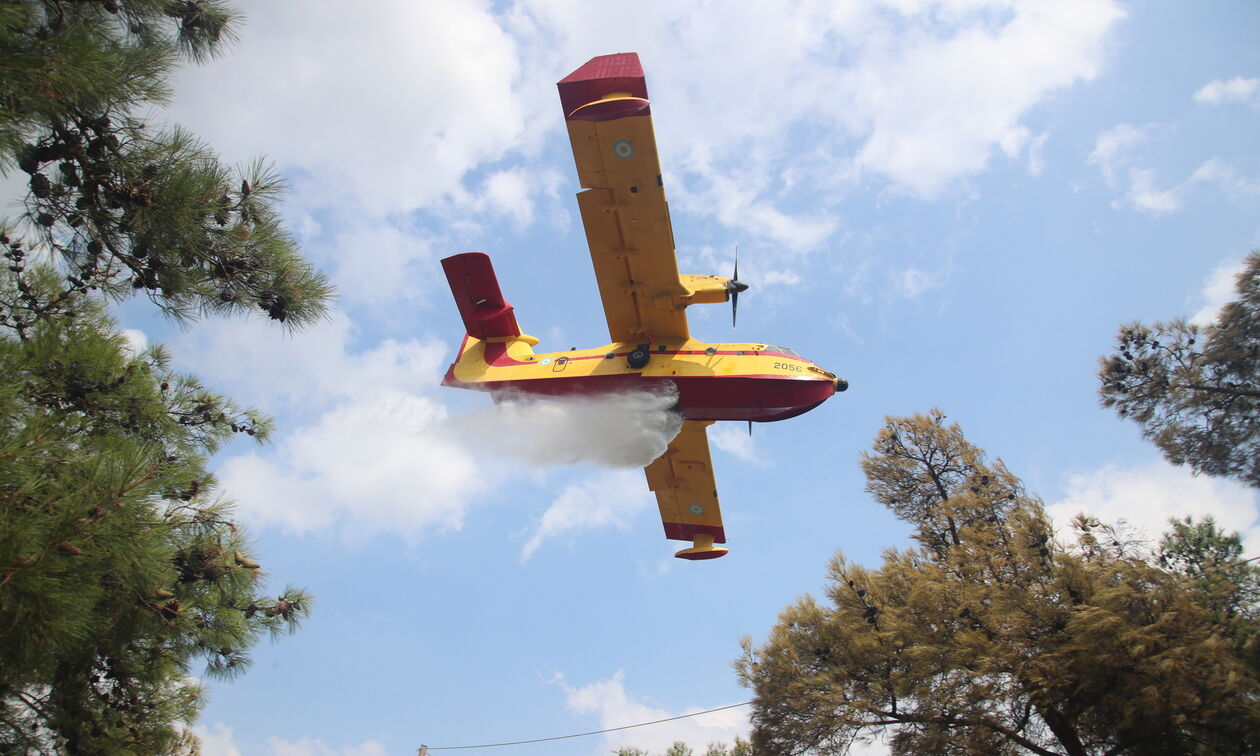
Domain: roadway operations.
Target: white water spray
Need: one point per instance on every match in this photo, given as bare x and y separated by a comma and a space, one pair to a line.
627, 429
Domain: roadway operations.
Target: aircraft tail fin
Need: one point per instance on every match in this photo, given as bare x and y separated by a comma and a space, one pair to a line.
486, 315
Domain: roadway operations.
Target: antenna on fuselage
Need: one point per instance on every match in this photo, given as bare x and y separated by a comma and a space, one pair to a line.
735, 286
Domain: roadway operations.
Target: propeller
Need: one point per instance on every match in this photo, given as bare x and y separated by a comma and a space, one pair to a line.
735, 286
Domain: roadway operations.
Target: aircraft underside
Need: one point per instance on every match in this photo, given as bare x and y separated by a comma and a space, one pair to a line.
760, 399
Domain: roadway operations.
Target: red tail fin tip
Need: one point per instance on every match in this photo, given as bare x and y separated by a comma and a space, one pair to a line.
486, 315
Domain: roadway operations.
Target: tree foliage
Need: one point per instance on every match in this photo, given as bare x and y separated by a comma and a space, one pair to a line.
1228, 584
1195, 391
121, 571
122, 206
993, 637
741, 747
119, 564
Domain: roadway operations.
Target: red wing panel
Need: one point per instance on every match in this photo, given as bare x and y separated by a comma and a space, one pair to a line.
600, 75
481, 305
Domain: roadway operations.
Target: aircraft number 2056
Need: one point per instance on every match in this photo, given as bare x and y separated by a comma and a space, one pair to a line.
788, 366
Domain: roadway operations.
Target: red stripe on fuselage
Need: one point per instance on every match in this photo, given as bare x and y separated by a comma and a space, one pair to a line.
503, 360
764, 398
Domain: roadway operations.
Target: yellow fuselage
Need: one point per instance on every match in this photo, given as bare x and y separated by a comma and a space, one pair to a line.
714, 381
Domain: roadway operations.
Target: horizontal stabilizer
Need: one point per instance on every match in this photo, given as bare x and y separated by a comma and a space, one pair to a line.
478, 297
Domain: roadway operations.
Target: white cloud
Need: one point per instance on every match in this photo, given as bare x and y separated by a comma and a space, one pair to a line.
936, 103
376, 263
1115, 148
366, 450
1220, 288
1117, 153
389, 122
612, 498
217, 740
313, 747
1217, 171
1143, 194
778, 277
376, 464
913, 281
137, 341
734, 439
511, 192
1223, 91
608, 700
402, 111
256, 363
14, 186
840, 321
1036, 160
1147, 497
738, 202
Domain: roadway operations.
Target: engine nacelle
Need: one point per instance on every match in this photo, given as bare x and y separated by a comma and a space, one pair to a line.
704, 290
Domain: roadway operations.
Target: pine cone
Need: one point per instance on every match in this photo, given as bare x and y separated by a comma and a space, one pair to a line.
41, 187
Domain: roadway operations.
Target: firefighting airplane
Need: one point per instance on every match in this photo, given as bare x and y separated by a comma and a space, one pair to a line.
632, 247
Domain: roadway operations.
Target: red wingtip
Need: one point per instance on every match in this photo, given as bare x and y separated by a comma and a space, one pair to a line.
607, 67
600, 76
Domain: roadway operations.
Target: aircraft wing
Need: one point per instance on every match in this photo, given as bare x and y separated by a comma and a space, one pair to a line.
682, 479
623, 208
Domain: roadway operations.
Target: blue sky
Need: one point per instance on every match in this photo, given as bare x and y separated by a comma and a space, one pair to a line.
953, 204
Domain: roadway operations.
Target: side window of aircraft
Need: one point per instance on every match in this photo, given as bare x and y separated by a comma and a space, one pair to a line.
782, 350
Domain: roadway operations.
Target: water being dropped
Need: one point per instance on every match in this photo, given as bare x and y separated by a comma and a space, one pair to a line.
627, 429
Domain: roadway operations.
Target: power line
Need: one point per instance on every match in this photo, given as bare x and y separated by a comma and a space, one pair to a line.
424, 748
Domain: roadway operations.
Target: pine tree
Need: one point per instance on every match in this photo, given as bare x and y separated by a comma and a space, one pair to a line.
1195, 391
1228, 583
993, 637
121, 570
680, 748
120, 565
120, 206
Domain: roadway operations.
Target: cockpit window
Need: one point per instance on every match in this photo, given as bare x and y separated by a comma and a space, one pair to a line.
782, 350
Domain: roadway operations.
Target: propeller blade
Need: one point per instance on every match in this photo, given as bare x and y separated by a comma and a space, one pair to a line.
735, 286
750, 428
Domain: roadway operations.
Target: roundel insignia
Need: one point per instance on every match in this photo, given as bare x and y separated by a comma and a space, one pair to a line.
696, 509
622, 149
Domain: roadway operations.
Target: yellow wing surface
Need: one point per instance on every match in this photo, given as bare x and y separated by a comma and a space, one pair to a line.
631, 240
623, 208
682, 479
